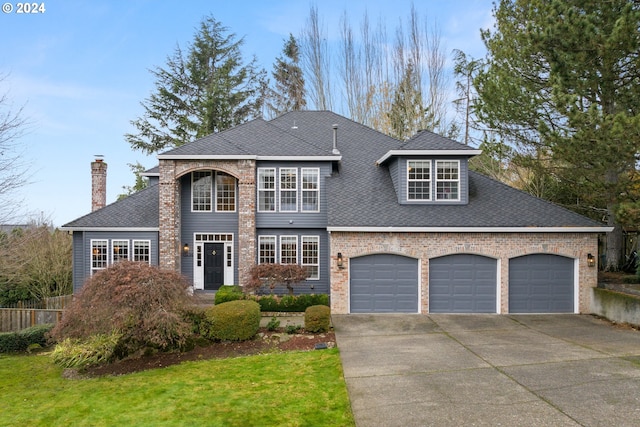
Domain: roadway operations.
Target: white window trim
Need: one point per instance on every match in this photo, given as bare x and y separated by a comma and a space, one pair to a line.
117, 243
282, 191
133, 248
198, 246
430, 181
215, 192
211, 195
302, 189
274, 190
446, 180
275, 246
317, 264
103, 242
289, 237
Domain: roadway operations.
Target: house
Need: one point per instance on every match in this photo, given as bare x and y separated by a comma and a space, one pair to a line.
382, 225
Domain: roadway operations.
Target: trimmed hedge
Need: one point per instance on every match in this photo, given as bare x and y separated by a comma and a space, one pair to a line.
228, 293
13, 342
291, 303
317, 318
233, 321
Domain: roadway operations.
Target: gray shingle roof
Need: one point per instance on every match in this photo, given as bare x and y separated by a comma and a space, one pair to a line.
139, 210
361, 194
256, 137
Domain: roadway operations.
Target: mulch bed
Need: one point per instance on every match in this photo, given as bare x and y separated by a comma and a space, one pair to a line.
264, 342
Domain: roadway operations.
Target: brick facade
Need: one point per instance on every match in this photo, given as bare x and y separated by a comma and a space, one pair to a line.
424, 246
98, 184
170, 173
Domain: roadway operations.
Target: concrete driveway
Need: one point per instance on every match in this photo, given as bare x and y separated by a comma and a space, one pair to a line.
477, 370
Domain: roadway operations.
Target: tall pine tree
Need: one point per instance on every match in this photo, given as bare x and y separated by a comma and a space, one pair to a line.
205, 90
563, 79
288, 92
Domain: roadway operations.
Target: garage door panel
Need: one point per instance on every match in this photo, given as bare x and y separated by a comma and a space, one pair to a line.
541, 283
383, 283
462, 283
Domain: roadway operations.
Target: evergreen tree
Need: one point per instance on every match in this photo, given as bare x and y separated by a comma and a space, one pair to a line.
205, 90
288, 93
407, 115
562, 78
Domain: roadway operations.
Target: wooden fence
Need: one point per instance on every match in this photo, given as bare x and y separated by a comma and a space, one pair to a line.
27, 314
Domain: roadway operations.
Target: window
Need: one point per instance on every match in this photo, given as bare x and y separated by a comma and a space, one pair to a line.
201, 191
267, 249
99, 252
225, 192
310, 190
289, 250
266, 190
310, 255
419, 180
120, 250
288, 189
141, 251
447, 180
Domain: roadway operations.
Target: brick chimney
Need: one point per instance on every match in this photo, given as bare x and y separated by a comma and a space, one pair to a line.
98, 183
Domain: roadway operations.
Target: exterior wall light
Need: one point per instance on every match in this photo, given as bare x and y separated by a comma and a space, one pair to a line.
185, 250
340, 261
591, 260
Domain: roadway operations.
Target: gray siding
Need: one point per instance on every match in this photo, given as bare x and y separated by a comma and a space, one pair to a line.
204, 222
398, 170
82, 250
320, 286
293, 220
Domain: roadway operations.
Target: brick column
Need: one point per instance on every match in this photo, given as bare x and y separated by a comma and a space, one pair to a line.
246, 218
98, 184
169, 235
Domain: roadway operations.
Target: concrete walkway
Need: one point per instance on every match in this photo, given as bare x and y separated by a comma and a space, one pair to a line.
489, 370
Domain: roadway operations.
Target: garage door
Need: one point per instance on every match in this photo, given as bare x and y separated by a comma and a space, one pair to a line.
462, 283
541, 283
383, 283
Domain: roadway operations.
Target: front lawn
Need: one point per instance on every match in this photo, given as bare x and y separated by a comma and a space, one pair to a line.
277, 389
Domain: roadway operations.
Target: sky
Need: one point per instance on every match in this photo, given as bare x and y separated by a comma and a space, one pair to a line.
80, 70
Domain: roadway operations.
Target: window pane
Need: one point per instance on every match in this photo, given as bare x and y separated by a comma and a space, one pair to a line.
288, 249
201, 191
99, 254
267, 250
225, 192
120, 250
141, 251
266, 190
447, 180
288, 189
419, 180
310, 189
310, 255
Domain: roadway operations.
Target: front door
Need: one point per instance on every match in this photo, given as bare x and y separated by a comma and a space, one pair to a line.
213, 266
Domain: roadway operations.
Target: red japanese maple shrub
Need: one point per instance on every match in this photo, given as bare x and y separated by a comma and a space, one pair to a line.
269, 276
147, 306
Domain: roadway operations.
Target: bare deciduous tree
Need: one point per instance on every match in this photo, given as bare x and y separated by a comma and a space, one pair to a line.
316, 61
13, 169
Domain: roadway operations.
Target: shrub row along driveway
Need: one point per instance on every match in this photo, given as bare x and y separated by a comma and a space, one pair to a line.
528, 370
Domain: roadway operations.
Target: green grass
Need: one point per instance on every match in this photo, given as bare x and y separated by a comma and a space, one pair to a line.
277, 389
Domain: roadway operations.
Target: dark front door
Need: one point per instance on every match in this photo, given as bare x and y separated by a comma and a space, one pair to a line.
213, 266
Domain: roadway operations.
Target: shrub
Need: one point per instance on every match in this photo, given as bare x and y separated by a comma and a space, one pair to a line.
233, 320
13, 342
144, 304
81, 354
290, 303
228, 293
631, 279
271, 275
292, 329
273, 324
317, 318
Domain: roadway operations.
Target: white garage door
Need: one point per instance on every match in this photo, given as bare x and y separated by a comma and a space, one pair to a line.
383, 283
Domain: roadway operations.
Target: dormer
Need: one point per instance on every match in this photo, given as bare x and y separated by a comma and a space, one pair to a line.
430, 169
